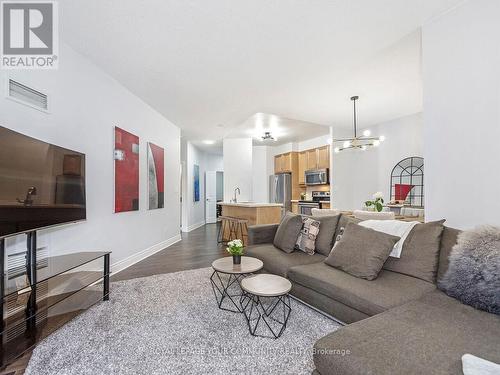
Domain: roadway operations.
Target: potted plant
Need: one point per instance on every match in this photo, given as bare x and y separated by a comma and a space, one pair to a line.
235, 248
377, 202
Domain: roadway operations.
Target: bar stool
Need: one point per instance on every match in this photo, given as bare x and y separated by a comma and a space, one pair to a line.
232, 228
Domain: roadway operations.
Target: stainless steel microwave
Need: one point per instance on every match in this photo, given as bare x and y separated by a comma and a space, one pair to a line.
317, 177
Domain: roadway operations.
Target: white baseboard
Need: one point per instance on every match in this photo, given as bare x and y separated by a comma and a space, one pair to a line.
194, 226
127, 262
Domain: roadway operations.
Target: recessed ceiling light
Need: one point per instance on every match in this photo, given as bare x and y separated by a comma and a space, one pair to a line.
208, 142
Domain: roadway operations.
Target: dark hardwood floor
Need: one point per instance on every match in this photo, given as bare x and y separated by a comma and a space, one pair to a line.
197, 249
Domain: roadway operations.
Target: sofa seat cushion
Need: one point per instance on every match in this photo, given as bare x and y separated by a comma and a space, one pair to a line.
372, 297
278, 262
426, 336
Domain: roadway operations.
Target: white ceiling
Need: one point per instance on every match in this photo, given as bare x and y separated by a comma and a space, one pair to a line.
210, 65
282, 129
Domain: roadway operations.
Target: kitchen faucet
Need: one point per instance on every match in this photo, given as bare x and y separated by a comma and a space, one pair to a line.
239, 192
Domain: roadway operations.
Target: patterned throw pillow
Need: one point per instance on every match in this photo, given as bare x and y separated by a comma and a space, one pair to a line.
307, 236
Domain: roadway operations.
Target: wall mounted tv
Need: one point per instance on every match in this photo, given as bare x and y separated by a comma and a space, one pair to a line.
41, 184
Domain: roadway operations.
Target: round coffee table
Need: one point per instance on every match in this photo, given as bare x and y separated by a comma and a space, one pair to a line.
265, 299
226, 278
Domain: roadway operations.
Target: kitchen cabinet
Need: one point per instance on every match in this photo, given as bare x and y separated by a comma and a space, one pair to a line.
302, 167
323, 157
295, 207
316, 158
283, 163
312, 159
286, 162
277, 164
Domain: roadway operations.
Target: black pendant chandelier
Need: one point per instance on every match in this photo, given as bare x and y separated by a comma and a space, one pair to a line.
360, 142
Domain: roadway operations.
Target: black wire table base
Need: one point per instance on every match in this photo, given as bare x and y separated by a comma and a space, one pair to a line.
274, 314
226, 289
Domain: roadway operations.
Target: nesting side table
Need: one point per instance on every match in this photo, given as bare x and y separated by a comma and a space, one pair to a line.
265, 299
226, 279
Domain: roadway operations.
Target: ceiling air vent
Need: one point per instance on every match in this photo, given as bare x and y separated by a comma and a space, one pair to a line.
27, 95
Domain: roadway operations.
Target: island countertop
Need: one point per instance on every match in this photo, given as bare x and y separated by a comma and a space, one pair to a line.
253, 212
249, 204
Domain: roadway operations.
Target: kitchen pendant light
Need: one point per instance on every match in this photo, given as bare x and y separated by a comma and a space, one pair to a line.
361, 142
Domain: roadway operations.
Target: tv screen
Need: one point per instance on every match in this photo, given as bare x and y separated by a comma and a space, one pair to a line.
41, 184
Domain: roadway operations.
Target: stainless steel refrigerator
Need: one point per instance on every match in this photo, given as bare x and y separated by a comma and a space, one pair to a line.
280, 190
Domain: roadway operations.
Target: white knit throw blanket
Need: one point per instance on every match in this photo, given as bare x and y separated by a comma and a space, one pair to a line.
396, 228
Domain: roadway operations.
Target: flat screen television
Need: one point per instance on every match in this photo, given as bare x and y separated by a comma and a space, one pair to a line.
41, 184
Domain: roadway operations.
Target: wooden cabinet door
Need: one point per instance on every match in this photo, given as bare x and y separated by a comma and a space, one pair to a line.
302, 167
324, 157
312, 159
278, 164
286, 162
295, 207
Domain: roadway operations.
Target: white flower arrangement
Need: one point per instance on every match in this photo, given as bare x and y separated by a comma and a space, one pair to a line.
376, 202
235, 247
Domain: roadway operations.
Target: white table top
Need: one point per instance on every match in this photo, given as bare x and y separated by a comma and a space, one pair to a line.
266, 285
248, 265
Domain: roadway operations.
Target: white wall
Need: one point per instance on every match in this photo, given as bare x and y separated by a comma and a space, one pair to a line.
238, 168
194, 212
260, 176
358, 174
85, 105
461, 73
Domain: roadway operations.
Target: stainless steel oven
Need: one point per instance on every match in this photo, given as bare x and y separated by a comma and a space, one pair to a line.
306, 207
317, 177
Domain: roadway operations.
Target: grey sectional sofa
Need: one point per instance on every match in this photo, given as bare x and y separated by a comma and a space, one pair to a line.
396, 323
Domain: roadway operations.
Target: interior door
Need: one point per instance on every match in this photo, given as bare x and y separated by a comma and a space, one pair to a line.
211, 197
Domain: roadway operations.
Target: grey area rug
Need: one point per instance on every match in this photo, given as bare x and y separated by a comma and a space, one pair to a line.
170, 324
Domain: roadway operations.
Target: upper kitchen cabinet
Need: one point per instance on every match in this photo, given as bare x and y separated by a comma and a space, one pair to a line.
323, 157
312, 159
316, 158
283, 163
302, 167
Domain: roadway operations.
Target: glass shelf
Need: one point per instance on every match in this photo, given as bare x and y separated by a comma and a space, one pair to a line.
56, 317
67, 283
53, 266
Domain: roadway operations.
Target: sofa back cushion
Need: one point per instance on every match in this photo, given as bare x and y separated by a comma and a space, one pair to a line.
287, 233
448, 240
361, 251
326, 236
420, 254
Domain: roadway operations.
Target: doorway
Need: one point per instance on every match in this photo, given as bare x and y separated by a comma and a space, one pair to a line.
214, 192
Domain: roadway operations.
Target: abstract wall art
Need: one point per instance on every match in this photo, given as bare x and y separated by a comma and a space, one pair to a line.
126, 157
196, 181
156, 184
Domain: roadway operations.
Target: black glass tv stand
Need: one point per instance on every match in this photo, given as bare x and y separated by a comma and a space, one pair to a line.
45, 294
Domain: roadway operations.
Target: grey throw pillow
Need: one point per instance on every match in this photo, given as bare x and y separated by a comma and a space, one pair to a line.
473, 274
288, 231
361, 251
420, 253
342, 224
306, 241
326, 236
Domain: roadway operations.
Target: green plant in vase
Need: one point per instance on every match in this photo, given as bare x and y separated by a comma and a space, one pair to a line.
235, 248
377, 202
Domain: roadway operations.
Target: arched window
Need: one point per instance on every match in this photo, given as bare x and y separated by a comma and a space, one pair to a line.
409, 174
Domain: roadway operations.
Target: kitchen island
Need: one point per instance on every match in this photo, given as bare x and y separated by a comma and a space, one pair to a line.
254, 213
